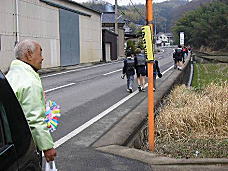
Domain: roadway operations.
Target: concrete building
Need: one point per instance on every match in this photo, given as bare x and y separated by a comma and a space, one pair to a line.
164, 39
69, 33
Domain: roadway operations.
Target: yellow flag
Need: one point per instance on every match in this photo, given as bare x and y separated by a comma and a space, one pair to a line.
147, 41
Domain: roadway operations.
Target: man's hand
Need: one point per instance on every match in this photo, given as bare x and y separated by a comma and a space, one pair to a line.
50, 154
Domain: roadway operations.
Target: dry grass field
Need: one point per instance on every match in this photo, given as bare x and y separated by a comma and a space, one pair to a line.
193, 123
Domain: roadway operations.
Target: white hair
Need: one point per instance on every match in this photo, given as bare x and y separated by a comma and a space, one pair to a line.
23, 47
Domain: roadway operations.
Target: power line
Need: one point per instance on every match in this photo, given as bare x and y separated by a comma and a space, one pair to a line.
126, 16
137, 11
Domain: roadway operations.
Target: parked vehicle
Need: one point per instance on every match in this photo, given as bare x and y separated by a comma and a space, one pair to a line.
17, 148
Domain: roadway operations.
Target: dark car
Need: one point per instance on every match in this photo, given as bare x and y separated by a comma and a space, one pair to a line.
17, 148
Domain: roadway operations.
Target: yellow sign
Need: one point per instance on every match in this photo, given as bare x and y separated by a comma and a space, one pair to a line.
147, 41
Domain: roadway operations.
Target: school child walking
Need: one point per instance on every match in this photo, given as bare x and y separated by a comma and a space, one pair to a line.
129, 71
140, 66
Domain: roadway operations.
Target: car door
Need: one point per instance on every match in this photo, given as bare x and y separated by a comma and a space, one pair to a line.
19, 151
8, 157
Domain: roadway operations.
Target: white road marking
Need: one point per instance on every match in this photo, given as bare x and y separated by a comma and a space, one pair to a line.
56, 88
98, 117
70, 84
112, 72
93, 120
78, 69
67, 85
167, 70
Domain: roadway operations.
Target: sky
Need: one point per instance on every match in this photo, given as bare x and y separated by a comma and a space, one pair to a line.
123, 2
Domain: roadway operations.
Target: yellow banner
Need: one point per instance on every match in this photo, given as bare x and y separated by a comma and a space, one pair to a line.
147, 41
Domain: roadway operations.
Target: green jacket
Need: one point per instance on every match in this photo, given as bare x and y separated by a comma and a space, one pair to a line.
27, 86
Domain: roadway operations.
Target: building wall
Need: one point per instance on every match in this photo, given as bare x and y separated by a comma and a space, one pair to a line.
90, 39
7, 33
90, 34
40, 22
37, 21
109, 37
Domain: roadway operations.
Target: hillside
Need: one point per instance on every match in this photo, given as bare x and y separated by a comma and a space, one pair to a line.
166, 13
136, 14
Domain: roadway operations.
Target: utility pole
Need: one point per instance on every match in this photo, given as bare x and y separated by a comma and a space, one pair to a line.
116, 18
151, 139
116, 27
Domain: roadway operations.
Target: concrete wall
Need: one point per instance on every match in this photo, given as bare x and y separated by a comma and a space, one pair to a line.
37, 21
90, 39
7, 33
40, 22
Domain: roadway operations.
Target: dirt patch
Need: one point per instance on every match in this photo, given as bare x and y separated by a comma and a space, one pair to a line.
194, 148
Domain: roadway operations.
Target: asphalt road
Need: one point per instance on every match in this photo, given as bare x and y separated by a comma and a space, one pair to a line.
86, 96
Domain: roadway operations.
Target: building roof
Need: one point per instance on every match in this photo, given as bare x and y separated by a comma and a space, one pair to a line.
109, 17
166, 34
111, 32
56, 4
74, 2
159, 34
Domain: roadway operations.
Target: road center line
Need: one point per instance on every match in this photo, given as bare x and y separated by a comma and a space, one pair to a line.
98, 117
56, 88
112, 72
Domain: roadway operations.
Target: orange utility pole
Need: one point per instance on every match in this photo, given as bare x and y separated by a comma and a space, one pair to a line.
151, 139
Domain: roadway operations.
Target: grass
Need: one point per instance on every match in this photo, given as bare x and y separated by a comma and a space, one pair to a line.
205, 74
193, 123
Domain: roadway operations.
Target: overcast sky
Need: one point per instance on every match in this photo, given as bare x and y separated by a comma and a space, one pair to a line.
123, 2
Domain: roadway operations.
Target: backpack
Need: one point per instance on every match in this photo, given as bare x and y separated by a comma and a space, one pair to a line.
178, 52
130, 64
141, 60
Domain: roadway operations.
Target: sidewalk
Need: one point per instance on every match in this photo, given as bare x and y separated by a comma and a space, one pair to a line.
67, 68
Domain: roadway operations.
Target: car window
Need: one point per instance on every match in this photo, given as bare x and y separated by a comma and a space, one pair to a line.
5, 130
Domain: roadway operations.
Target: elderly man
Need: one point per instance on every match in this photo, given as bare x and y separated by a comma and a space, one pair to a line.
26, 84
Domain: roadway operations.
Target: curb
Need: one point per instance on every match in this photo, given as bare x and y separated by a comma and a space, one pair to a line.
64, 68
155, 159
72, 67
